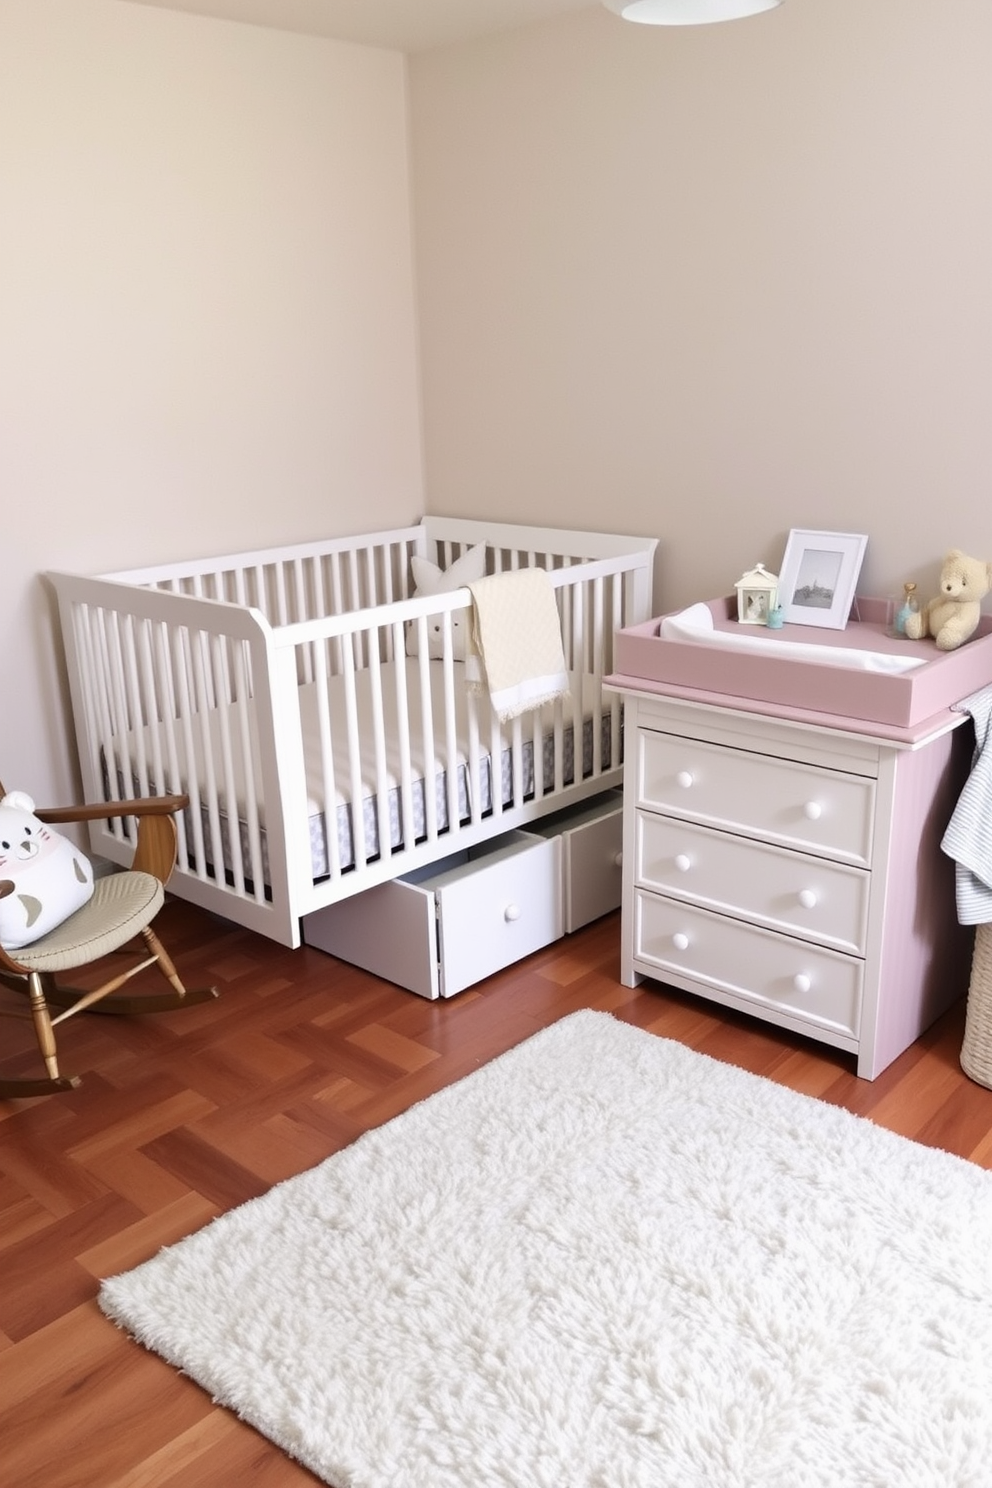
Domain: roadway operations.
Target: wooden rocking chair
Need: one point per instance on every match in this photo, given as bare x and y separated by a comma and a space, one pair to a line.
121, 908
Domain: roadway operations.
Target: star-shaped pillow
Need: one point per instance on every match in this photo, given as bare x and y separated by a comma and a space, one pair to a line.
429, 579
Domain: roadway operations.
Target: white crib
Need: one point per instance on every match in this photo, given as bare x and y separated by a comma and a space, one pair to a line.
320, 759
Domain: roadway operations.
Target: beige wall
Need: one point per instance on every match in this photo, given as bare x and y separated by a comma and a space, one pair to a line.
207, 335
704, 284
713, 283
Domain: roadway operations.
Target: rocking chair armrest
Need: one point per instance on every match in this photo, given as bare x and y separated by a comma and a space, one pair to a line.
157, 840
155, 852
100, 811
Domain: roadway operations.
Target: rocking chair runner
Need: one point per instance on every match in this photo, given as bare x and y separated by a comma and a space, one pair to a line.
121, 908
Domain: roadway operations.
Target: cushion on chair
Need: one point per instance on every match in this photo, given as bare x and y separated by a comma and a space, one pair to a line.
51, 877
430, 579
121, 906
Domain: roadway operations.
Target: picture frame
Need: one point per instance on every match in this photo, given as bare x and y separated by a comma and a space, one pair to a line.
819, 575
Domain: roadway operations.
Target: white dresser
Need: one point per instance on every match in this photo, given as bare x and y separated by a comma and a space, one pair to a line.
792, 871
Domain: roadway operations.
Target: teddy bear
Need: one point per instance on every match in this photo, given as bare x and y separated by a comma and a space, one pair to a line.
953, 615
50, 878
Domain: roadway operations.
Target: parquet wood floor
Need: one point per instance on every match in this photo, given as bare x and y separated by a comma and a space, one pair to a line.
182, 1115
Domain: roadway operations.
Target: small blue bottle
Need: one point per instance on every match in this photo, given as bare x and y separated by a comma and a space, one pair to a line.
910, 606
776, 619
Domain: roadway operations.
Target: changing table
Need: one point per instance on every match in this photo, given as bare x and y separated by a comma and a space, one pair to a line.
784, 859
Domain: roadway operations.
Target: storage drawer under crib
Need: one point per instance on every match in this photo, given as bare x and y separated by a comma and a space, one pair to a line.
445, 927
592, 844
440, 929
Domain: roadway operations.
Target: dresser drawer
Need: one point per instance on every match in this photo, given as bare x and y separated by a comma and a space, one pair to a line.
779, 800
792, 892
443, 928
772, 973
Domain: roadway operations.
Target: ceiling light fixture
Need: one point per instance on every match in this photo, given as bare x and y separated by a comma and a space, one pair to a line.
687, 12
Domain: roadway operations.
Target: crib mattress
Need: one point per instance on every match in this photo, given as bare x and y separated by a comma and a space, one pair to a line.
222, 725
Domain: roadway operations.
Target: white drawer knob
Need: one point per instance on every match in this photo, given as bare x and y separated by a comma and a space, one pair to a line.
807, 898
680, 941
618, 860
802, 982
684, 778
813, 810
511, 912
683, 862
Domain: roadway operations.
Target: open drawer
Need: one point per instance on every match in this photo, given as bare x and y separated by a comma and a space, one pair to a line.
440, 929
591, 837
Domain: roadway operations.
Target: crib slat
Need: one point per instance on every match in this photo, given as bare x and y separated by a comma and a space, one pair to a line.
173, 779
180, 658
227, 800
118, 714
353, 601
149, 704
382, 781
201, 694
537, 753
301, 612
496, 753
427, 735
406, 785
252, 817
319, 599
450, 730
474, 761
370, 594
596, 667
337, 608
356, 794
326, 744
97, 663
132, 704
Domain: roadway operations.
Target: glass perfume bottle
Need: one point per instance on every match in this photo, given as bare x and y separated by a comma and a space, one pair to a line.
910, 606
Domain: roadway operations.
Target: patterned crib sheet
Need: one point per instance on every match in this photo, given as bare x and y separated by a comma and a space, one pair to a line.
342, 812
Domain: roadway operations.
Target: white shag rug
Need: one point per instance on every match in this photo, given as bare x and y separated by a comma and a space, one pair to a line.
601, 1261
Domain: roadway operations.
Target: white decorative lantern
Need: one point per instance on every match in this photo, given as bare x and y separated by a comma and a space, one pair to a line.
757, 594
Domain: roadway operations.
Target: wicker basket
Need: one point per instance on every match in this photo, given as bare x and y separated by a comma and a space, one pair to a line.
976, 1050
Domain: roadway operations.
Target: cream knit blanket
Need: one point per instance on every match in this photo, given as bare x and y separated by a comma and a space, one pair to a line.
514, 651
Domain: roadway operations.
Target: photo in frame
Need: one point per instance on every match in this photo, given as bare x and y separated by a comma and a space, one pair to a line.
819, 576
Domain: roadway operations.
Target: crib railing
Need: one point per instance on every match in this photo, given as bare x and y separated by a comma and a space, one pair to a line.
306, 581
319, 759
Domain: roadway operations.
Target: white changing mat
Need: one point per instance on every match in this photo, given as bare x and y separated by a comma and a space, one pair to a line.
696, 625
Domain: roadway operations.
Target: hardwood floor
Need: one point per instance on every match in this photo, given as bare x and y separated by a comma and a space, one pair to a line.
182, 1115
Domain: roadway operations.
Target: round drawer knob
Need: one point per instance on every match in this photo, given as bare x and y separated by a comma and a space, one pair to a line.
802, 982
807, 898
812, 810
680, 941
684, 778
618, 860
511, 912
683, 862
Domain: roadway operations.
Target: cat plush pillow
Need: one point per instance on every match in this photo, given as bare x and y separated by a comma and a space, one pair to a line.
51, 877
429, 579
